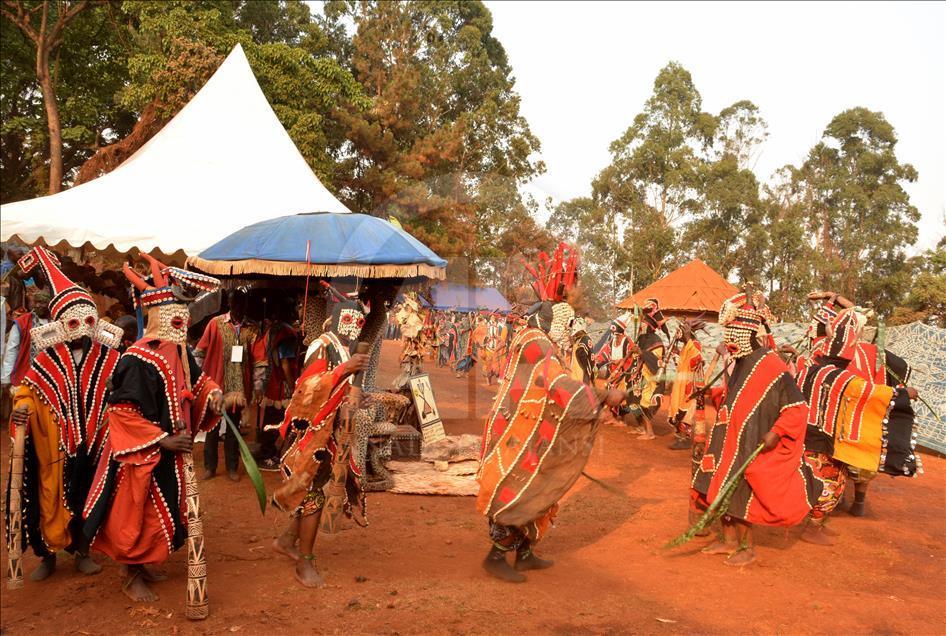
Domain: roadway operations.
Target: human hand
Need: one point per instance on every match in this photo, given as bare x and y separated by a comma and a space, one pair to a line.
21, 415
356, 363
180, 443
913, 393
770, 441
216, 401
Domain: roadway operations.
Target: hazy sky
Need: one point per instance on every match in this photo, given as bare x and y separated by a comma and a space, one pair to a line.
585, 69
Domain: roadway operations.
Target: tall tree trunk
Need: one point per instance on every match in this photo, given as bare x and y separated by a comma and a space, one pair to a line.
52, 119
47, 39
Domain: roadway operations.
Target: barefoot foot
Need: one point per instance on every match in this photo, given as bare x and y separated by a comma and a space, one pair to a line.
815, 534
720, 547
742, 557
527, 560
829, 531
86, 565
45, 569
135, 587
307, 574
500, 569
286, 546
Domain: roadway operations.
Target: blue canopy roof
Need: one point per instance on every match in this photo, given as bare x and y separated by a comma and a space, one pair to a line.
339, 245
463, 298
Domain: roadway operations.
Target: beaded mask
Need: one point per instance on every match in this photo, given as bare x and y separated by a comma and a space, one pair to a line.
745, 318
348, 313
562, 316
71, 306
166, 298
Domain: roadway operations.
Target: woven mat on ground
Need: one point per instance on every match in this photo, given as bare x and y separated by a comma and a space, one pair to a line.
421, 478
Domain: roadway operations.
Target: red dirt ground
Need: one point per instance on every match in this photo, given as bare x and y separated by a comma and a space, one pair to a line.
416, 568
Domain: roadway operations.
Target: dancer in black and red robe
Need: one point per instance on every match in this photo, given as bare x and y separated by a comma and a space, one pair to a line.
763, 405
136, 510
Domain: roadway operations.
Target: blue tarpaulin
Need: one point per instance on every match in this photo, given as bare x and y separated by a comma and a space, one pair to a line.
339, 244
463, 298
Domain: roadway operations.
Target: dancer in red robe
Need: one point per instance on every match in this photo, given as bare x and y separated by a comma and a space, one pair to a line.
763, 405
160, 399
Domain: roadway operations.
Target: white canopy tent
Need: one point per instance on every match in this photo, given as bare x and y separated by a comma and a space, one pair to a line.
222, 163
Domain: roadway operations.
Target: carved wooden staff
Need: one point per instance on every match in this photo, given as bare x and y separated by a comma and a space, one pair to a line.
197, 607
15, 531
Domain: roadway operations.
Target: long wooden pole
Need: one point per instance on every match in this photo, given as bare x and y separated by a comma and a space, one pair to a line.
15, 531
197, 607
197, 604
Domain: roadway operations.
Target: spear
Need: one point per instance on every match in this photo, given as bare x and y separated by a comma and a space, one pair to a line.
720, 505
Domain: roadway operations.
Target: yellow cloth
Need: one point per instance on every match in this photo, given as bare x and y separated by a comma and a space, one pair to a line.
44, 432
682, 382
650, 381
869, 404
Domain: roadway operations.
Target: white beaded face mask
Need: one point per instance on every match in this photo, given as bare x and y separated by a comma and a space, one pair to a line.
350, 323
168, 322
78, 321
738, 340
562, 316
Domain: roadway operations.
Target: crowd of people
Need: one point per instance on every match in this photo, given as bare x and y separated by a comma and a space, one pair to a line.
104, 413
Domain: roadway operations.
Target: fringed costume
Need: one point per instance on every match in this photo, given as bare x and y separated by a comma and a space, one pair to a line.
857, 416
761, 399
540, 430
136, 512
322, 478
63, 393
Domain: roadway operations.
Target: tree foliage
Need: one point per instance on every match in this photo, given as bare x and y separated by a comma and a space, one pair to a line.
681, 185
444, 127
410, 110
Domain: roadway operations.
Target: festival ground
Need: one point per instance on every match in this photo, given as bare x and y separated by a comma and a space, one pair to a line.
416, 569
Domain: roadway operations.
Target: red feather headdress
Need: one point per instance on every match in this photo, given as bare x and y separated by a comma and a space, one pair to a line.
557, 276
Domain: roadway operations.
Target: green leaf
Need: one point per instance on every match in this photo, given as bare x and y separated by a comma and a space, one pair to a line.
252, 470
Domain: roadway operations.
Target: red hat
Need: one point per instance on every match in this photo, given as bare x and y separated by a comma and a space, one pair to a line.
65, 293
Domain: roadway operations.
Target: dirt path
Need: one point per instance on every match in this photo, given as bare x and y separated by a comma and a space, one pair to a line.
420, 561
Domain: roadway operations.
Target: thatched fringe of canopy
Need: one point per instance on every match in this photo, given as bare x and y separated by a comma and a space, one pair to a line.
284, 268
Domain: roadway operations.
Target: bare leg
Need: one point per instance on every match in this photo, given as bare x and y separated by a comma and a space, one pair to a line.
746, 553
134, 586
306, 572
285, 543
